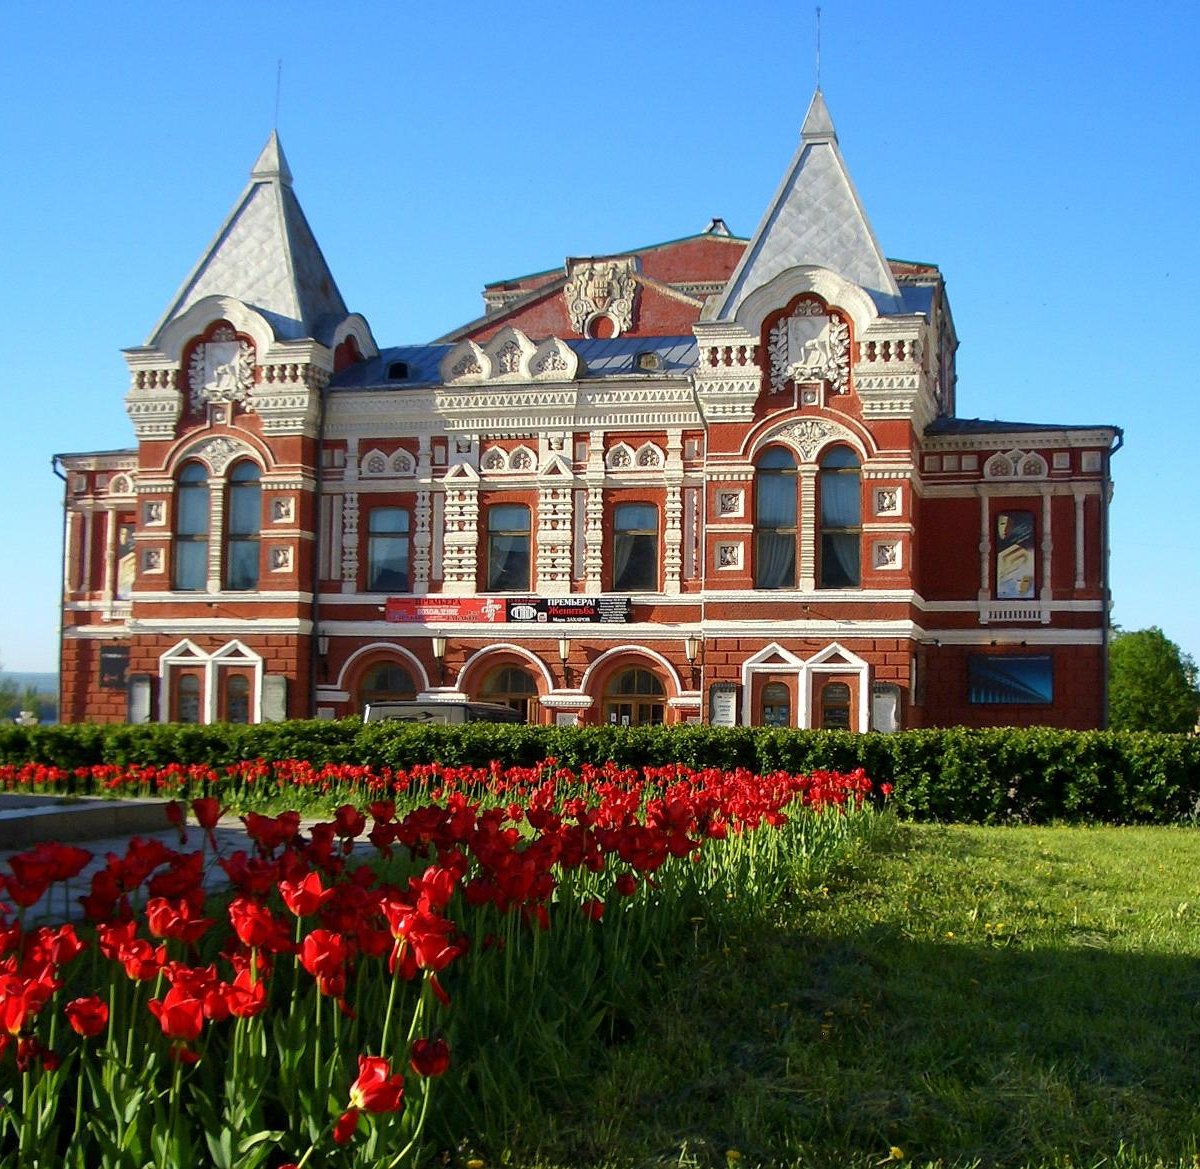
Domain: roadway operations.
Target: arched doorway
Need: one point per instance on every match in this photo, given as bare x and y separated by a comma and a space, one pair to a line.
635, 698
386, 681
512, 686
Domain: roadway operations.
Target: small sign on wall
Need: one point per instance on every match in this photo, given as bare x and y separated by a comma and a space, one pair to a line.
723, 704
114, 667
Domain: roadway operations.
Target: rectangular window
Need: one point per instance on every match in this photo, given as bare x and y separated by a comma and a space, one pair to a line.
508, 549
387, 550
1010, 679
635, 548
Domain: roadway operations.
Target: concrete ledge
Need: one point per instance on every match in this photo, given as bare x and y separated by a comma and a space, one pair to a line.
27, 820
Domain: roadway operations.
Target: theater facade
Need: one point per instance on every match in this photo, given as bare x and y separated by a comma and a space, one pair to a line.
710, 480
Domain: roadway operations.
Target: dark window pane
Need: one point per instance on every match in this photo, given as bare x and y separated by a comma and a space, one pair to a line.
509, 517
241, 565
635, 563
839, 560
840, 501
189, 699
632, 517
508, 563
237, 699
776, 501
245, 512
191, 509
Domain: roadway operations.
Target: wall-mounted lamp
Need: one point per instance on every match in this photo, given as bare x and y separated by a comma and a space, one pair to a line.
691, 649
439, 656
322, 645
564, 652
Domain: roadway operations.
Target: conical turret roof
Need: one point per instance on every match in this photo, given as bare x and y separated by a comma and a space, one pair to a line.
815, 218
266, 256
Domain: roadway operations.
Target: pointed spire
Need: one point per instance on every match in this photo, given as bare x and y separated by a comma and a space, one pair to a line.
265, 255
272, 164
818, 125
816, 219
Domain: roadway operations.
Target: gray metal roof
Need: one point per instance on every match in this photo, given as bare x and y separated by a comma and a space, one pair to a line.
966, 426
266, 256
614, 357
816, 217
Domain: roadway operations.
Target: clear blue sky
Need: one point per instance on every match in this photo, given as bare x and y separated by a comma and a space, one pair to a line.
1043, 154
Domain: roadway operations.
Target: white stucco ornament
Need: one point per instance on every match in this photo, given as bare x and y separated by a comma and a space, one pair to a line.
810, 346
221, 370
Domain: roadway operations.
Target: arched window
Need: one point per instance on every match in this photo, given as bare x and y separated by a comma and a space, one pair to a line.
386, 682
835, 706
191, 527
243, 524
387, 550
776, 705
237, 699
775, 521
511, 686
508, 548
187, 698
841, 518
635, 548
635, 698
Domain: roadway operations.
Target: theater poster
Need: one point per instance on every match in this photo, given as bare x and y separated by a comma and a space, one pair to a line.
1015, 556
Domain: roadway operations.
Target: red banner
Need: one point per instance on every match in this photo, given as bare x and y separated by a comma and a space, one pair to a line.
446, 610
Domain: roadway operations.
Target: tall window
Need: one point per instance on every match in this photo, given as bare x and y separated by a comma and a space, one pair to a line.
776, 705
508, 548
191, 527
242, 527
635, 548
237, 699
775, 521
635, 698
510, 686
841, 517
387, 550
187, 699
835, 706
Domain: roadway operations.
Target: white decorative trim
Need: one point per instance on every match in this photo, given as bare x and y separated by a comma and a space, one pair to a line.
888, 501
727, 557
221, 369
597, 288
887, 555
1015, 464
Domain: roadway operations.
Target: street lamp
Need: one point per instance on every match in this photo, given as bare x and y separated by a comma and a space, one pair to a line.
691, 648
439, 656
564, 652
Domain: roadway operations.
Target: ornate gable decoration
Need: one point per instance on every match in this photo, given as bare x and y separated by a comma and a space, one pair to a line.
221, 369
601, 288
811, 345
510, 356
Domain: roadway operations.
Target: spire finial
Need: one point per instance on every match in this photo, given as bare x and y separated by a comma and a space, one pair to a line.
818, 46
278, 87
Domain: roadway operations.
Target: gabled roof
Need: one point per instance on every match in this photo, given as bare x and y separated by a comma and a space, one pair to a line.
266, 256
815, 218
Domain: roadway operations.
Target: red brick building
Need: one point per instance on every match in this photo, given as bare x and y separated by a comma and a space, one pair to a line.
714, 479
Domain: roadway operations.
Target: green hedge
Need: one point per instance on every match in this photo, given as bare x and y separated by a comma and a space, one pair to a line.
982, 776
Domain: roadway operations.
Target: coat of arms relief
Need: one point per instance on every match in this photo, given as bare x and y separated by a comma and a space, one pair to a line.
601, 286
221, 370
812, 345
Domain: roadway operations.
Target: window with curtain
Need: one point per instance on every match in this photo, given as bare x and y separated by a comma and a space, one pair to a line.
510, 686
508, 548
242, 527
191, 528
775, 520
635, 698
841, 519
635, 548
387, 550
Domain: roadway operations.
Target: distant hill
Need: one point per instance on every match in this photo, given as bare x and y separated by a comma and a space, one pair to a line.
45, 683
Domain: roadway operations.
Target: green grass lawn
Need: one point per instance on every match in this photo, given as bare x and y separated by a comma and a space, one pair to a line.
953, 995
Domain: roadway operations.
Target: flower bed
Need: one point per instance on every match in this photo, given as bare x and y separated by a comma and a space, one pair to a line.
303, 1014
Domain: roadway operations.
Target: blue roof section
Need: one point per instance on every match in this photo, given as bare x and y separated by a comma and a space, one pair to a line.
601, 358
996, 426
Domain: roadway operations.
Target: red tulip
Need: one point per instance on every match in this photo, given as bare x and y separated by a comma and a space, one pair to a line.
87, 1016
376, 1089
343, 1130
207, 811
306, 896
430, 1057
180, 1015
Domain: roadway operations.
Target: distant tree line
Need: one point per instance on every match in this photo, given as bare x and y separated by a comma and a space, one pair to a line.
1151, 683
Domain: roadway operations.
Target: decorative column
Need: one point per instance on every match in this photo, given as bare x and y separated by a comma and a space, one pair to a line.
216, 530
593, 556
350, 542
1047, 549
1080, 579
461, 540
807, 478
985, 551
673, 528
421, 541
554, 531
